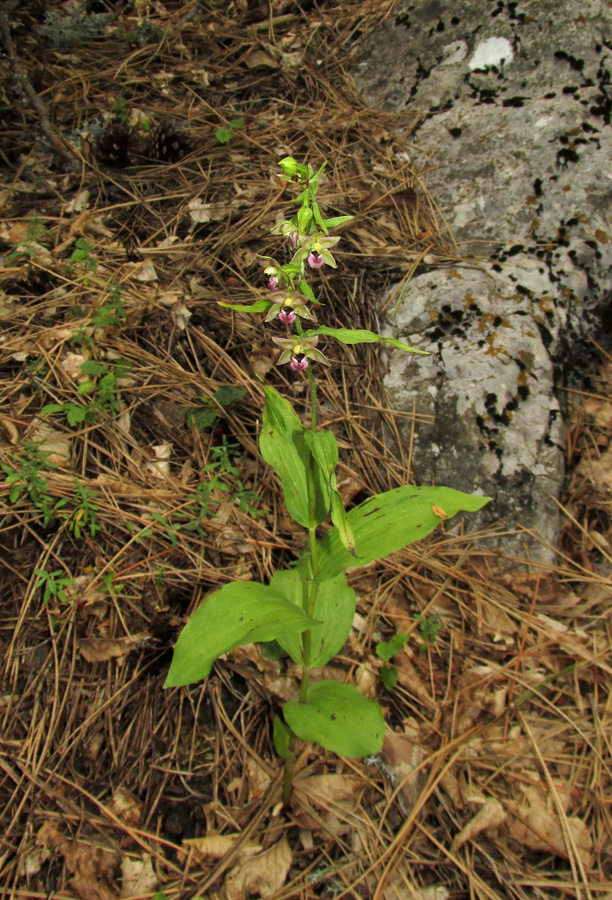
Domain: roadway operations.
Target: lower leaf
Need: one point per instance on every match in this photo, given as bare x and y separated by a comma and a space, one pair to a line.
339, 718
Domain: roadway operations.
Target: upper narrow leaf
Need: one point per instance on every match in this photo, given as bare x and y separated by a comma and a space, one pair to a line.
361, 336
242, 612
283, 446
257, 307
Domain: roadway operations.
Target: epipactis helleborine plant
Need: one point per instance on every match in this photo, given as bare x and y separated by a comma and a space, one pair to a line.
309, 608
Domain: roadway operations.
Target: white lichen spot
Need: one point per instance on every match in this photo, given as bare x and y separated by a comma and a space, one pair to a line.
491, 52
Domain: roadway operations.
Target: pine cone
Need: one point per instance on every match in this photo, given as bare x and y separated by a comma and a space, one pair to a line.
117, 146
168, 143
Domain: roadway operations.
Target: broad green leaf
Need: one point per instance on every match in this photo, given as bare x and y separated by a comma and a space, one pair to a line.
228, 394
324, 448
339, 718
239, 613
236, 123
361, 336
280, 736
387, 522
257, 307
86, 387
334, 609
283, 446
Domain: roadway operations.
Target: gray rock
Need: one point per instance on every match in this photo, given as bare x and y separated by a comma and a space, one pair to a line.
516, 146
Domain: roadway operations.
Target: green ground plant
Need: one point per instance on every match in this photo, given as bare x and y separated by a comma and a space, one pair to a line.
386, 650
429, 628
309, 608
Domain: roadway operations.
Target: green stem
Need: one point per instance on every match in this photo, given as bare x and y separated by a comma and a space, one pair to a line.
310, 602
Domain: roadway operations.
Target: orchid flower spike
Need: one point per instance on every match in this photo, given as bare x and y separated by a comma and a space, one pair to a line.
298, 350
287, 305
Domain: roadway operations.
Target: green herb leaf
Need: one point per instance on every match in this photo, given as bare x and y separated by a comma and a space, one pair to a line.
239, 613
236, 123
75, 415
387, 522
228, 394
387, 649
339, 718
92, 367
361, 336
389, 677
334, 608
224, 135
203, 417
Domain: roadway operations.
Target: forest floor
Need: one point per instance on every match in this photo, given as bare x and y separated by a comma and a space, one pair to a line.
138, 187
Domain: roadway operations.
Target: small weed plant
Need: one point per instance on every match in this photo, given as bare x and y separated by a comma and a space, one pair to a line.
308, 609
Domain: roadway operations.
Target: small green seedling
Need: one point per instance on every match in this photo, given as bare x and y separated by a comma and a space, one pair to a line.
81, 255
113, 311
53, 584
36, 235
102, 384
23, 475
83, 515
386, 650
225, 134
429, 628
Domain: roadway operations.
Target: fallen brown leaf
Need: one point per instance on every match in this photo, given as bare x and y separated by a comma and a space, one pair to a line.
103, 649
216, 846
263, 875
491, 815
138, 877
327, 803
535, 823
125, 807
90, 865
